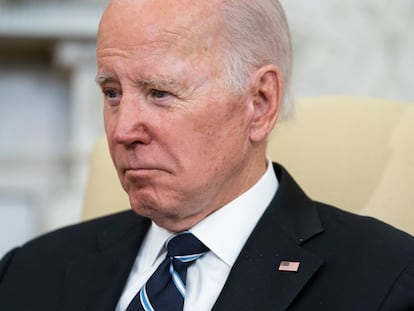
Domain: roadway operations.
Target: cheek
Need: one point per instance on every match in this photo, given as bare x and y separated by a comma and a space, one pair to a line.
224, 127
219, 137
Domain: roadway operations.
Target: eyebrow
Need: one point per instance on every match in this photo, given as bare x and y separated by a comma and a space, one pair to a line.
105, 78
166, 83
159, 82
151, 82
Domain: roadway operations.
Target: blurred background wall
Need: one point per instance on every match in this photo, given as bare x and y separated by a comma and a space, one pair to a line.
50, 107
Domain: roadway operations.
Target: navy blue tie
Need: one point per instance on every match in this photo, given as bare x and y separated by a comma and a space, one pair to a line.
165, 289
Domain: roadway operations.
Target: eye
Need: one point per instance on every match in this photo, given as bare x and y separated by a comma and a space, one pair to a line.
111, 93
112, 96
159, 94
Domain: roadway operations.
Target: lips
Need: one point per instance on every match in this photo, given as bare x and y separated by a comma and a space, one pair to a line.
133, 168
142, 171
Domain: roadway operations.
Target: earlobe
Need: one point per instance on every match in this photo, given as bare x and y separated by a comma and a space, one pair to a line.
266, 100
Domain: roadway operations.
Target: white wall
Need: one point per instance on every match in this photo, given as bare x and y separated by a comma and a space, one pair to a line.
353, 47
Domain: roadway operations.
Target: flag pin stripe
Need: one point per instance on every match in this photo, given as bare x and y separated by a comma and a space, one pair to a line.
289, 266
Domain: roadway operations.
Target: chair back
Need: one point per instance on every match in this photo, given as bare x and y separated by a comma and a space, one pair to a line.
354, 153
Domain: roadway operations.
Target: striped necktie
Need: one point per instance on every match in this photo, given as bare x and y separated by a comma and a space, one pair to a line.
165, 289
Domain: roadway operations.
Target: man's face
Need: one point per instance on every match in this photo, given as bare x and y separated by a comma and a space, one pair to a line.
178, 139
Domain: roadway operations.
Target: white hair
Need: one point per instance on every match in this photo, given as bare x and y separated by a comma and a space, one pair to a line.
256, 33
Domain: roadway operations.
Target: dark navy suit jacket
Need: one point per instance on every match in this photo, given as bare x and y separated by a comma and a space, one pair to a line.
347, 262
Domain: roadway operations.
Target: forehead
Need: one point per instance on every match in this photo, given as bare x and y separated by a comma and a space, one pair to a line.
165, 23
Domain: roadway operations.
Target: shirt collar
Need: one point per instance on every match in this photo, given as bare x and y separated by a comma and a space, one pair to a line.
225, 231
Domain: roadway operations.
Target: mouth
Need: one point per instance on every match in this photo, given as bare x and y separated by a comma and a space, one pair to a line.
142, 171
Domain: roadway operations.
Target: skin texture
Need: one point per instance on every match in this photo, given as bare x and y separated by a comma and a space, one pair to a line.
183, 146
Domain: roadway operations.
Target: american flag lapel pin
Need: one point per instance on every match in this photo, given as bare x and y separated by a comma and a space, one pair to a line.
289, 266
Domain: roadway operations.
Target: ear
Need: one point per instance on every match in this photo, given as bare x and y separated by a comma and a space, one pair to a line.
266, 97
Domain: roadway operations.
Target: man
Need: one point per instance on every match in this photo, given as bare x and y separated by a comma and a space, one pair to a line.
192, 90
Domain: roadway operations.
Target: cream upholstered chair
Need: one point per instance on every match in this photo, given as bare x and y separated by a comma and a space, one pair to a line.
104, 194
355, 153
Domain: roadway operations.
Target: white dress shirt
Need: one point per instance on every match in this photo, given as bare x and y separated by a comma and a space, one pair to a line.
224, 232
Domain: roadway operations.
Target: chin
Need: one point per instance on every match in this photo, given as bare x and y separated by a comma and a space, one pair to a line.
167, 218
144, 206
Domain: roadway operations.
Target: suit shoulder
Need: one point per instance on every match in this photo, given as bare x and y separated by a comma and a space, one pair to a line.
82, 234
40, 266
52, 250
364, 231
5, 262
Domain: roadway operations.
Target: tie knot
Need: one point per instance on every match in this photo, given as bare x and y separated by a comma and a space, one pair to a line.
186, 246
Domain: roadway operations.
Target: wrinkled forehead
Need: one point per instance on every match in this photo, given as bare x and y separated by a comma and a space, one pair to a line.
130, 22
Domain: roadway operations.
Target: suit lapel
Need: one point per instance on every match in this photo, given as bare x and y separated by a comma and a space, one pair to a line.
255, 282
95, 280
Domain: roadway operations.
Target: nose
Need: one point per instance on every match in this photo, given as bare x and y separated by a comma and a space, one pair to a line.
129, 123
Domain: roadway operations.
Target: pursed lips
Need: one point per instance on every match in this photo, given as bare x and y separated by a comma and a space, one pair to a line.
141, 170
